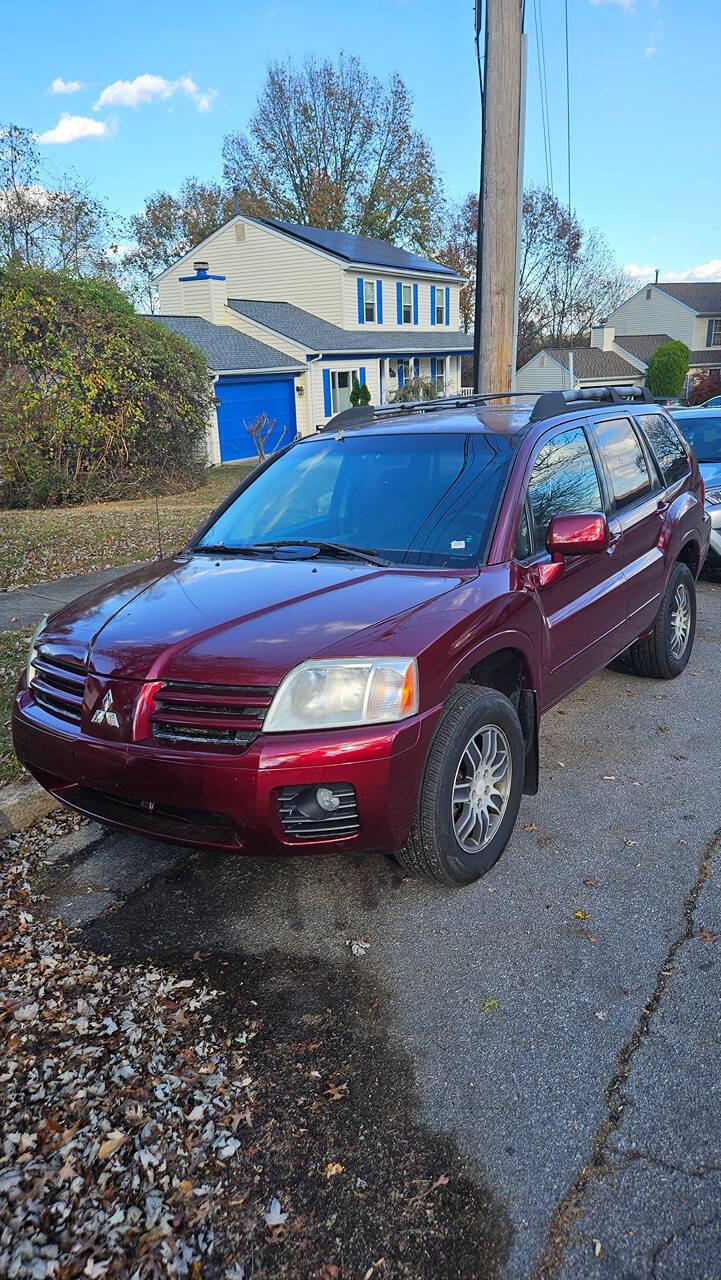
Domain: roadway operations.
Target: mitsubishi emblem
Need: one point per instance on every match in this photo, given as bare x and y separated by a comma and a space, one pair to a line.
105, 713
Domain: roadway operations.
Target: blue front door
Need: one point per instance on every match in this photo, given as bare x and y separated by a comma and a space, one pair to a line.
242, 400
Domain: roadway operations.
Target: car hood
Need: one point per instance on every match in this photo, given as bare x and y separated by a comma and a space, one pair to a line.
228, 620
711, 472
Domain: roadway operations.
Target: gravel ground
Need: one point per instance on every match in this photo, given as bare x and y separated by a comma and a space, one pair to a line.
547, 1040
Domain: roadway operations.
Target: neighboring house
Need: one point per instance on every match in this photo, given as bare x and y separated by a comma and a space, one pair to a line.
622, 346
308, 309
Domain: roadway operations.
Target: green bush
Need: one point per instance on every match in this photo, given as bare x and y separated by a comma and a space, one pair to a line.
668, 369
96, 401
414, 389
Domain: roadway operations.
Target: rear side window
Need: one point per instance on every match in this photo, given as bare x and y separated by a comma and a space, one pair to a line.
563, 481
625, 460
670, 453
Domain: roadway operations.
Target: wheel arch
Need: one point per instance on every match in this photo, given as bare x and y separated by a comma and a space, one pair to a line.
509, 670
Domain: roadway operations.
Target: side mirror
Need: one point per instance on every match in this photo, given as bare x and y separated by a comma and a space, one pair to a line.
577, 535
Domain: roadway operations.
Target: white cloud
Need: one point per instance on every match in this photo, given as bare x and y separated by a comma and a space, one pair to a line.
703, 272
628, 5
149, 88
66, 86
73, 128
650, 51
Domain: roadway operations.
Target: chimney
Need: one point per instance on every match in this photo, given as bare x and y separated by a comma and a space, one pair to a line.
656, 280
603, 335
204, 294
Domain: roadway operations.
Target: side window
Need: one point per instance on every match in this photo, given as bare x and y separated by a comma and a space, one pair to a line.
670, 453
523, 539
625, 460
563, 481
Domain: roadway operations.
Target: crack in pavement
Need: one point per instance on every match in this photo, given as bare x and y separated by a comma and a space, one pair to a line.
627, 1157
569, 1209
679, 1235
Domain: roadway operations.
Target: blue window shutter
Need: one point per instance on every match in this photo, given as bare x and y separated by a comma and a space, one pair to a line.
327, 404
448, 304
362, 376
361, 305
416, 367
399, 302
709, 334
379, 301
433, 367
400, 373
433, 304
415, 304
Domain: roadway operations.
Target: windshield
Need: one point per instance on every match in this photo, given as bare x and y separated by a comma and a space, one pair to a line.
425, 499
703, 434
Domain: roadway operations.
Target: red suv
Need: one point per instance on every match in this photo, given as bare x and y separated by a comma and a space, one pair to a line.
355, 650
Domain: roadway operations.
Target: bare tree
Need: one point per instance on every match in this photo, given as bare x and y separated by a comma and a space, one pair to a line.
49, 220
569, 277
259, 430
329, 145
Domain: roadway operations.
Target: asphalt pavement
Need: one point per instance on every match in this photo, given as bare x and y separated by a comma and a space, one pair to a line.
561, 1016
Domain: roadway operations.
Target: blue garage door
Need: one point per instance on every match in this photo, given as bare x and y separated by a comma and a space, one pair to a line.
242, 399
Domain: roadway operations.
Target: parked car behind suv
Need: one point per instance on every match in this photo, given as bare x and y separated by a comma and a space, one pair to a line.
702, 428
355, 650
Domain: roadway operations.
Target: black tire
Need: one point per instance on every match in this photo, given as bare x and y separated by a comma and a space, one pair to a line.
655, 656
432, 849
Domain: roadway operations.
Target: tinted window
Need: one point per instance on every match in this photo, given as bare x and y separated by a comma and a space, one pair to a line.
625, 461
703, 433
523, 539
428, 499
670, 453
563, 481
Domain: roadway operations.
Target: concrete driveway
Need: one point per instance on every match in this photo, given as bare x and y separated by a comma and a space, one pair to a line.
561, 1017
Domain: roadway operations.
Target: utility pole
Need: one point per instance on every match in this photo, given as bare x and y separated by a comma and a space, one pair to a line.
500, 198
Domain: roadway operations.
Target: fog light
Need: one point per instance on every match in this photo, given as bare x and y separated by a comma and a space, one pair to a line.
327, 799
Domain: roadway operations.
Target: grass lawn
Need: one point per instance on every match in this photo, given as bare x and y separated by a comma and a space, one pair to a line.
13, 652
37, 546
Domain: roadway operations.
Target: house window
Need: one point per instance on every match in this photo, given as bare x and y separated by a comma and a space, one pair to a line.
440, 305
407, 304
404, 372
341, 382
369, 299
716, 333
440, 374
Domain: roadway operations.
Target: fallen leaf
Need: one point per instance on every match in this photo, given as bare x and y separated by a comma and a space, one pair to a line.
591, 884
111, 1144
332, 1168
273, 1215
609, 777
706, 934
582, 915
530, 826
440, 1182
597, 1248
336, 1091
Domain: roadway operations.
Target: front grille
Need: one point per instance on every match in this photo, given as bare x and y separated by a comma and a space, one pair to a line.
303, 820
209, 715
58, 686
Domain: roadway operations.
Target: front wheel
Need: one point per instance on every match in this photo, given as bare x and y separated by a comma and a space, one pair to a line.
471, 789
665, 653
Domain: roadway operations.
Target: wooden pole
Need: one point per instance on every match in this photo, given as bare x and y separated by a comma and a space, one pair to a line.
499, 205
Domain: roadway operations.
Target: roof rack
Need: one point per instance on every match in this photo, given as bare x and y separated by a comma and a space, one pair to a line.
548, 405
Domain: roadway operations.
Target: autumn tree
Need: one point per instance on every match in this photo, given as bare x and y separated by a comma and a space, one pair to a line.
329, 145
167, 227
48, 220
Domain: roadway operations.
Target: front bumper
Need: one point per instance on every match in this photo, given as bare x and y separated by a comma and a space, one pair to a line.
229, 801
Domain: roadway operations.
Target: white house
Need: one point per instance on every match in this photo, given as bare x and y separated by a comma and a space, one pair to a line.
286, 315
622, 345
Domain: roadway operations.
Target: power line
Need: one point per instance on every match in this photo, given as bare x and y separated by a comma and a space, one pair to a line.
568, 160
543, 90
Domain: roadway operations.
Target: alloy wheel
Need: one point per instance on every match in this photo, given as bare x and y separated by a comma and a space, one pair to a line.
680, 620
481, 789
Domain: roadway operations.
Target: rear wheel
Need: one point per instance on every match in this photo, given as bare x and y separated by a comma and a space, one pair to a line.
471, 789
665, 653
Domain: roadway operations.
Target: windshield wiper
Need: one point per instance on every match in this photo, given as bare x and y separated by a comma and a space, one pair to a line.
219, 548
332, 549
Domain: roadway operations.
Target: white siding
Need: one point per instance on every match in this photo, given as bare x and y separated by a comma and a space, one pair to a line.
390, 309
264, 265
542, 373
658, 314
700, 333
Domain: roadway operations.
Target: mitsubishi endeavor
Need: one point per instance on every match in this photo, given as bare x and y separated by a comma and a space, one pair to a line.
354, 651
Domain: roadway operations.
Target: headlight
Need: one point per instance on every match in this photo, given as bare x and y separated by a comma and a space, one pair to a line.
32, 651
334, 694
713, 497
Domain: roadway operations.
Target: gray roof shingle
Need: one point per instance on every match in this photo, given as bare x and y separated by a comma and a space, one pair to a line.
591, 362
708, 356
702, 296
329, 339
642, 345
363, 249
226, 349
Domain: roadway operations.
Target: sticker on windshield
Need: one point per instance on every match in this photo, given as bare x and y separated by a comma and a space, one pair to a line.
458, 544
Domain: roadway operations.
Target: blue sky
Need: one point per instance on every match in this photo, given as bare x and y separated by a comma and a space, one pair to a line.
646, 162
